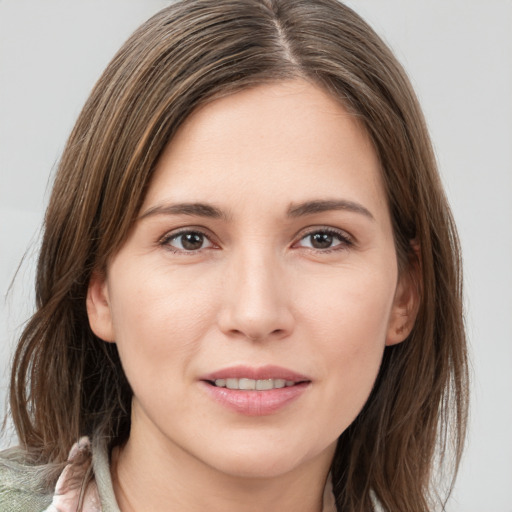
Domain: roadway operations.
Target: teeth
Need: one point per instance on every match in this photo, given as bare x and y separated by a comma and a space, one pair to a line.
232, 384
247, 384
251, 384
262, 385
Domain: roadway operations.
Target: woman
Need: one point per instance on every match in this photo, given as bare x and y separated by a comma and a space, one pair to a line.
248, 289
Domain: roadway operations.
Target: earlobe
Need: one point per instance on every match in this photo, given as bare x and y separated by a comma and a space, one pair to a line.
405, 305
98, 307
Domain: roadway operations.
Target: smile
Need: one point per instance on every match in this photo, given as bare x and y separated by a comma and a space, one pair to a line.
255, 391
253, 384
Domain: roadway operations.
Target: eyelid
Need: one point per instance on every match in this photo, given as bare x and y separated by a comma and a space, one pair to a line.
346, 239
174, 233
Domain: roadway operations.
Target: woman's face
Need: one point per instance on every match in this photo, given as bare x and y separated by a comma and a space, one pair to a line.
263, 258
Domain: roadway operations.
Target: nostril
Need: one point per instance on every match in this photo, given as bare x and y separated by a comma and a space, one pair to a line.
276, 333
239, 319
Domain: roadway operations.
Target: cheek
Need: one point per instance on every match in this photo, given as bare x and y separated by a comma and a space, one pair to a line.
351, 310
158, 321
352, 362
349, 325
353, 352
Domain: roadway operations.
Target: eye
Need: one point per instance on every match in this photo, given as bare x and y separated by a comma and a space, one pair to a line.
187, 241
325, 239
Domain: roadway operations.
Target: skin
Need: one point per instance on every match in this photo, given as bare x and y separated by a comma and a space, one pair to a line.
255, 290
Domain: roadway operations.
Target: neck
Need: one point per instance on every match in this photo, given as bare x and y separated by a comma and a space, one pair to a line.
147, 478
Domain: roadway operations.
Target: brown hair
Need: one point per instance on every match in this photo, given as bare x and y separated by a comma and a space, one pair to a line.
66, 382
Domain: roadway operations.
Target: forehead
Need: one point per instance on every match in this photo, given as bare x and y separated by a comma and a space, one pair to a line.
280, 142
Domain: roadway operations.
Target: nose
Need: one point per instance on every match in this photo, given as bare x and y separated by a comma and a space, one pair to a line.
255, 299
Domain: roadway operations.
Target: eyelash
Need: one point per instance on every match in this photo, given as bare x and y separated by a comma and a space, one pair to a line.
345, 241
166, 239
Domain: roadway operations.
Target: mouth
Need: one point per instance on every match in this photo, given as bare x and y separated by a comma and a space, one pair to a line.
247, 384
255, 391
249, 378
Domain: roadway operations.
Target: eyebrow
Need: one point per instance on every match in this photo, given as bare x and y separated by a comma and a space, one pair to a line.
295, 209
193, 209
320, 206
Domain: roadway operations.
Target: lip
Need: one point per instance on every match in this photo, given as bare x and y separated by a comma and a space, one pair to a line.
256, 373
255, 403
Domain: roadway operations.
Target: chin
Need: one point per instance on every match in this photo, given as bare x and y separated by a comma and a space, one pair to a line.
265, 460
261, 466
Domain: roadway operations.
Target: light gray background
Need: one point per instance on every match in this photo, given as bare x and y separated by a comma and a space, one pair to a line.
459, 56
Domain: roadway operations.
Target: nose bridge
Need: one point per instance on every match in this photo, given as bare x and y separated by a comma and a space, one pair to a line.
255, 300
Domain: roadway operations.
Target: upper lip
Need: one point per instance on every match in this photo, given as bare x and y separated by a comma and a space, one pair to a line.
256, 373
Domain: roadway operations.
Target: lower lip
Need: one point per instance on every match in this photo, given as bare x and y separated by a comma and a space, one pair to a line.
256, 403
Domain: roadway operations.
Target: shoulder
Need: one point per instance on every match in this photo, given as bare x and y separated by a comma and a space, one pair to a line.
23, 487
83, 480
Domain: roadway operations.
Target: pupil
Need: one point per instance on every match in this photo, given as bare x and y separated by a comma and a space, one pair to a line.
321, 240
192, 241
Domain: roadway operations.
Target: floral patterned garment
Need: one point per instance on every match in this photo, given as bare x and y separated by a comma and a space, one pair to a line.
68, 493
67, 496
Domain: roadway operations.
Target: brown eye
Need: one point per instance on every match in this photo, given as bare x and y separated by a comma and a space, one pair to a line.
325, 239
188, 241
321, 240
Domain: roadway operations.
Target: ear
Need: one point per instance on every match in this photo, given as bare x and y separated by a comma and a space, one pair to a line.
98, 307
406, 302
